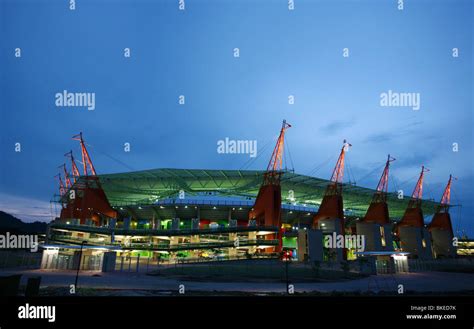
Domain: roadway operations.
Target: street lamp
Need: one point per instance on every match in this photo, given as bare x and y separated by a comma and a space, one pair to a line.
79, 264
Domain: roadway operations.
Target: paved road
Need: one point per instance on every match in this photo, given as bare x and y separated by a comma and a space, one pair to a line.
419, 282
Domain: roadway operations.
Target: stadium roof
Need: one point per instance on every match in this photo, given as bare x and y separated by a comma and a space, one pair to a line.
150, 186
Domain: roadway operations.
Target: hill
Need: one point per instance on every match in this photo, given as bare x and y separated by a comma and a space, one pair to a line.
9, 223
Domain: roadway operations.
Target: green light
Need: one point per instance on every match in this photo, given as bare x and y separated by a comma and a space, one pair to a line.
290, 242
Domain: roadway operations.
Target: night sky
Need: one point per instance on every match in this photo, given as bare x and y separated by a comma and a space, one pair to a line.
282, 52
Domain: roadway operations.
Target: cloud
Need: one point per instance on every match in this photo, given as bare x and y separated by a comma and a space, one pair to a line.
336, 126
26, 209
393, 134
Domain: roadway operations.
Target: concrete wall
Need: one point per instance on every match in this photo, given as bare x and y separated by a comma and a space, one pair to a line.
375, 236
126, 223
195, 223
442, 244
252, 249
428, 249
329, 226
232, 251
315, 245
416, 241
156, 224
108, 261
175, 224
302, 250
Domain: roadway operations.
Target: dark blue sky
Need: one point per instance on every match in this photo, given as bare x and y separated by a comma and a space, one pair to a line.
282, 53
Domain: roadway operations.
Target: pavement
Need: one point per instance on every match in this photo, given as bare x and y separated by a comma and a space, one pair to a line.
423, 282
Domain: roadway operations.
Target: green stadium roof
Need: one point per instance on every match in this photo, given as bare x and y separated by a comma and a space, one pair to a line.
149, 186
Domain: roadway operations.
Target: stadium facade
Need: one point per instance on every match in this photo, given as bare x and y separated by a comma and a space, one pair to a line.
181, 213
187, 214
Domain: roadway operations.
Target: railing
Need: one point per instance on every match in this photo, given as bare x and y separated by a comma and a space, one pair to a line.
167, 246
200, 245
146, 264
66, 262
230, 203
422, 265
151, 232
20, 259
94, 241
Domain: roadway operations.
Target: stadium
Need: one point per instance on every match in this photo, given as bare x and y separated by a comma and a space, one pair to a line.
170, 215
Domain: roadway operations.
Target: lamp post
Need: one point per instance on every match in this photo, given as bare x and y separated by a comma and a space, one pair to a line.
79, 265
285, 258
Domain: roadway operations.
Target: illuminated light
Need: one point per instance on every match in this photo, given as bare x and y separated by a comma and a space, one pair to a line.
186, 207
308, 214
176, 207
140, 208
161, 207
399, 257
181, 223
382, 236
240, 208
305, 228
121, 208
67, 223
214, 208
291, 212
323, 224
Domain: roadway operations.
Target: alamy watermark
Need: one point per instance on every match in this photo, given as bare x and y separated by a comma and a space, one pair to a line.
231, 146
397, 99
14, 241
69, 99
340, 241
37, 312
